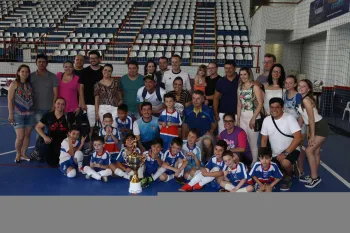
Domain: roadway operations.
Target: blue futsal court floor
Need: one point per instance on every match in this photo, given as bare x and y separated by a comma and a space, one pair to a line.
34, 178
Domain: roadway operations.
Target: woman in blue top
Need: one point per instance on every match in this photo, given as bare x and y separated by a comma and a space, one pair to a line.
292, 99
20, 105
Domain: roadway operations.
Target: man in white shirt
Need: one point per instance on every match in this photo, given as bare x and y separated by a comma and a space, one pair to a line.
170, 75
284, 134
151, 93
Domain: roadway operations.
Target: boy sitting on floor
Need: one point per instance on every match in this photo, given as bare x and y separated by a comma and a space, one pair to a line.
235, 174
71, 155
265, 173
212, 171
173, 164
99, 163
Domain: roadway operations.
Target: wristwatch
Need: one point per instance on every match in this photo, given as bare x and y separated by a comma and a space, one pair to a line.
285, 153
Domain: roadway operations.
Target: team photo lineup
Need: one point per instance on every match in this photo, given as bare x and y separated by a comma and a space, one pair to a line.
230, 131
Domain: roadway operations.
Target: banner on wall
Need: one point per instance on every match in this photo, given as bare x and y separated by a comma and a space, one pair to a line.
324, 10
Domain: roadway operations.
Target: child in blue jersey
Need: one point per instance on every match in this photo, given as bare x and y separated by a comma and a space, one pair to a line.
121, 168
173, 164
148, 125
192, 153
153, 161
125, 125
265, 173
235, 174
212, 171
99, 163
110, 135
71, 155
169, 120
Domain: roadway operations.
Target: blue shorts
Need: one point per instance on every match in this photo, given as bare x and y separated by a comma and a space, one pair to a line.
66, 164
150, 170
23, 121
214, 185
114, 157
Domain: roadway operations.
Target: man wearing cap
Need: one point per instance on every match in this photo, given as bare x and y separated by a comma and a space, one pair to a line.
151, 93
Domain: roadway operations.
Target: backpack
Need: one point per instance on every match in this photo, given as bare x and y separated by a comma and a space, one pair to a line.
159, 96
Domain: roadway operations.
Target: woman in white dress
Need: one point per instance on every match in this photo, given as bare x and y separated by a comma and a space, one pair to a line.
274, 85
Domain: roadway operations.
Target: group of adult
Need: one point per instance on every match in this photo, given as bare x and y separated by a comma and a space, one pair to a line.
231, 108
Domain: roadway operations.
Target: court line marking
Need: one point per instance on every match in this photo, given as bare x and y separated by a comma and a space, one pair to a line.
330, 170
9, 152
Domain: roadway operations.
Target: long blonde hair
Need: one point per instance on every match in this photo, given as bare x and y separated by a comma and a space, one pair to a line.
250, 73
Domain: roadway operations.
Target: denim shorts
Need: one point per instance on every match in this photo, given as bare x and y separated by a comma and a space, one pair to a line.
23, 121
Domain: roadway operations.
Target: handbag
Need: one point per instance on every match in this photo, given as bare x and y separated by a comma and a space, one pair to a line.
96, 129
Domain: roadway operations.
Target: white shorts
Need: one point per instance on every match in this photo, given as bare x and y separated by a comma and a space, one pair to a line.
91, 115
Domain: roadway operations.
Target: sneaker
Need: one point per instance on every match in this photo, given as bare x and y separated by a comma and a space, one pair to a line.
145, 182
197, 187
313, 182
87, 176
186, 188
304, 178
105, 178
180, 180
286, 182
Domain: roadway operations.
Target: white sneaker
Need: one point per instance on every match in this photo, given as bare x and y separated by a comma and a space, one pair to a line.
105, 178
87, 176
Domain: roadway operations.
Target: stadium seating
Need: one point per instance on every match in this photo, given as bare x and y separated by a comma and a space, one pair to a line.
198, 30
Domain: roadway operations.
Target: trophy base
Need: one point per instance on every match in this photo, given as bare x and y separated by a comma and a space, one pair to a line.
135, 188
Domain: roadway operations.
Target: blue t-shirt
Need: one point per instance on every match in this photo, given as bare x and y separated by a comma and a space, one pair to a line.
191, 161
148, 130
201, 121
213, 162
239, 173
268, 175
171, 159
228, 90
291, 105
103, 159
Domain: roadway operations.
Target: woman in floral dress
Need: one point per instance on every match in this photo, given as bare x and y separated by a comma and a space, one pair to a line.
249, 106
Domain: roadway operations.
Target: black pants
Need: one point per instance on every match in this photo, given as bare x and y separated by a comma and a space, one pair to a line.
51, 152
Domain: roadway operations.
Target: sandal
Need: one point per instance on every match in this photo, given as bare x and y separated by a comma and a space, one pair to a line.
25, 158
18, 159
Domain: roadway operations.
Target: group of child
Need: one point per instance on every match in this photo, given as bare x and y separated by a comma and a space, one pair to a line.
181, 161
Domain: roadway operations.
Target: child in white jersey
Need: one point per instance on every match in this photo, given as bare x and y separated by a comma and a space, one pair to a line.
71, 155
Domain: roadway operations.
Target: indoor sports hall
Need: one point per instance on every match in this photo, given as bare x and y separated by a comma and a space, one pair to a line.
310, 38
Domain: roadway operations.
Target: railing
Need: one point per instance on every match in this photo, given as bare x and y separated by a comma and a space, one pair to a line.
120, 51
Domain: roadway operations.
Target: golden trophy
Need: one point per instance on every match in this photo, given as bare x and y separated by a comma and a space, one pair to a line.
134, 161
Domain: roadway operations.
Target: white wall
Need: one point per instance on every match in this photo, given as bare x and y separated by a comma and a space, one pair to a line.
326, 50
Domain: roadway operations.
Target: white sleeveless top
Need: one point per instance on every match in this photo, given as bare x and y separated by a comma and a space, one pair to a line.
269, 94
305, 117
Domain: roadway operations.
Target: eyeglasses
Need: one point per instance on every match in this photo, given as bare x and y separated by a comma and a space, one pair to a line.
276, 71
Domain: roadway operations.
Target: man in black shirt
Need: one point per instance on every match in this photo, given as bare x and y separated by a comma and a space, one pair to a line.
211, 83
78, 64
89, 76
